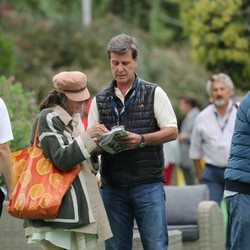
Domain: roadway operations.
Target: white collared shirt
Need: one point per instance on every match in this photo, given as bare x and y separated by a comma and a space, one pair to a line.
5, 126
212, 134
161, 103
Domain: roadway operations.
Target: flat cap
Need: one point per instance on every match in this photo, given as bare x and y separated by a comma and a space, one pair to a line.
73, 84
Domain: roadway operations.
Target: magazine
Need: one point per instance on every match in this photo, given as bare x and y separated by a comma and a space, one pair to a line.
110, 141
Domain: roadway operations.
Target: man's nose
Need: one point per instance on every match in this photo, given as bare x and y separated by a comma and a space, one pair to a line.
219, 92
120, 67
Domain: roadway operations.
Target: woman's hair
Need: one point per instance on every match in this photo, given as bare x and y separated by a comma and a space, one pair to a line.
121, 44
54, 98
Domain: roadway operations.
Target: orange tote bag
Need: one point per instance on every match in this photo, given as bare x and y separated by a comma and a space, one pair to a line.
38, 185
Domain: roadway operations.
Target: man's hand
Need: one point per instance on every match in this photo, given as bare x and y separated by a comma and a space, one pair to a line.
131, 141
199, 170
182, 137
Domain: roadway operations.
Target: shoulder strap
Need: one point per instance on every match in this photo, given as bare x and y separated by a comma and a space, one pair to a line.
236, 105
35, 135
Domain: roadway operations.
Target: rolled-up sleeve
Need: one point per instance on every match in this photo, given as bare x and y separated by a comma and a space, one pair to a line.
93, 117
163, 109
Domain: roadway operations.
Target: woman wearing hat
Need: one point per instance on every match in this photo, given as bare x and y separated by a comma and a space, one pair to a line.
82, 217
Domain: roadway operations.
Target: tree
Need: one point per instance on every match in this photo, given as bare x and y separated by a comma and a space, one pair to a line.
7, 58
22, 111
219, 34
47, 9
160, 17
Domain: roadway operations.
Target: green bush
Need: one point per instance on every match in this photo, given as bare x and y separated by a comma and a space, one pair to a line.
46, 47
22, 110
7, 58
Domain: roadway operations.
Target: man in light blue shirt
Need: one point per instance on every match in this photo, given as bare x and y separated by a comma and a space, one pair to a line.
212, 133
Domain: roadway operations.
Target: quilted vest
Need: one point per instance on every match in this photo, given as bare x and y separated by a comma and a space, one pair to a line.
137, 166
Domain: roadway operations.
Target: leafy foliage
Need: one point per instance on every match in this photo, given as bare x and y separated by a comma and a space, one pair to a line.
7, 59
175, 72
219, 33
46, 47
159, 17
47, 44
54, 10
22, 111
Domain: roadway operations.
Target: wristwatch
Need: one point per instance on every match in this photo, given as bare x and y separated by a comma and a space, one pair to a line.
142, 142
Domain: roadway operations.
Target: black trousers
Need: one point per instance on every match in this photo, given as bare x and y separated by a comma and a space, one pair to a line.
2, 196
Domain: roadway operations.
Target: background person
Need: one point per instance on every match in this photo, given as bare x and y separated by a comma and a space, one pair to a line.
132, 180
172, 159
5, 157
61, 136
189, 109
212, 133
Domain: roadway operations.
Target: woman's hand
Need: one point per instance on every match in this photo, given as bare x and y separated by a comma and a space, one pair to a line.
96, 130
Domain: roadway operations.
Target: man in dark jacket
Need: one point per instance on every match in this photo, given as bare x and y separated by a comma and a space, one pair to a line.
237, 180
132, 180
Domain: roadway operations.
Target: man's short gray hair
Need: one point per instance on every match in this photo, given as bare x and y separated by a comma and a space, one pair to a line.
121, 44
221, 77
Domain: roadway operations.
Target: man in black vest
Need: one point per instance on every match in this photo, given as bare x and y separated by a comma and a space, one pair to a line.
132, 180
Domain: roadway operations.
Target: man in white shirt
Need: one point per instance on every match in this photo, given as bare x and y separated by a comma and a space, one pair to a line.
5, 159
132, 180
212, 133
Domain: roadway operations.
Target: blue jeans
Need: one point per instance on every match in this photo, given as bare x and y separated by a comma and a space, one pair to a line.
145, 204
238, 229
213, 177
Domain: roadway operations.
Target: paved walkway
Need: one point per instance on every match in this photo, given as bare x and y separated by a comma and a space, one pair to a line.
12, 234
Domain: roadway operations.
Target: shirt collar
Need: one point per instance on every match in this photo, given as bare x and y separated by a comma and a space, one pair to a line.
64, 115
118, 92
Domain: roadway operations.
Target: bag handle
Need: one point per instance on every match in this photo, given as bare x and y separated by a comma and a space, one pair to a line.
35, 136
